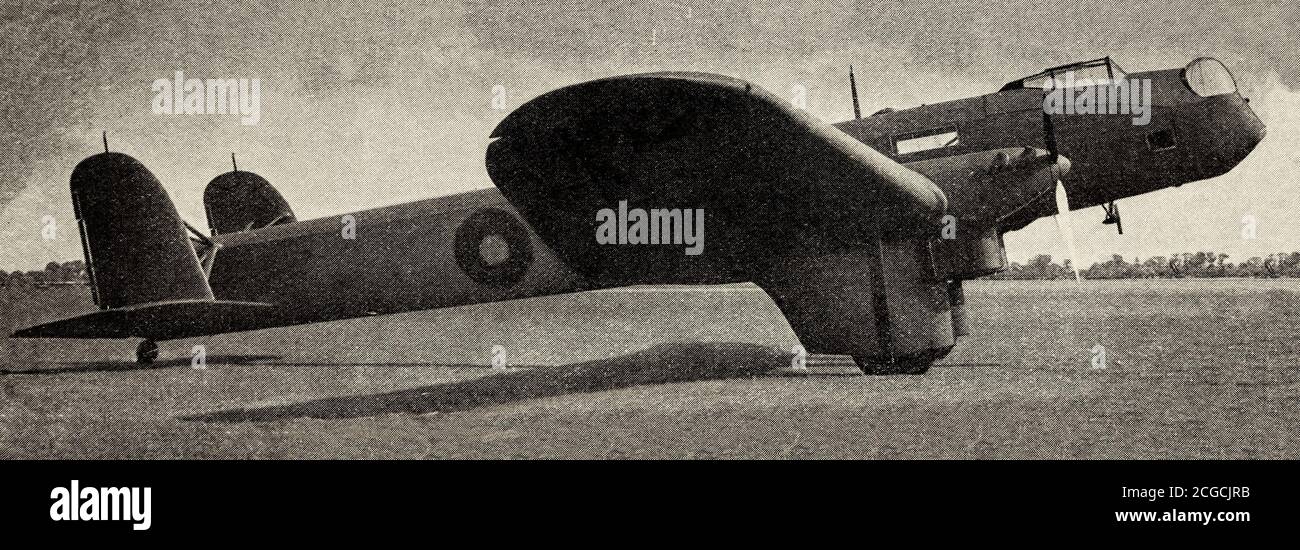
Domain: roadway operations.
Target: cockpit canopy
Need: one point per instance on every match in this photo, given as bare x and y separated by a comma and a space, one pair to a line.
1206, 76
1073, 74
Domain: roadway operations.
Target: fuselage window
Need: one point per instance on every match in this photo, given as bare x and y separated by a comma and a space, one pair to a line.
1161, 140
926, 140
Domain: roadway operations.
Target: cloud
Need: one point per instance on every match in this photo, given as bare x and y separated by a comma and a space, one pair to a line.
375, 102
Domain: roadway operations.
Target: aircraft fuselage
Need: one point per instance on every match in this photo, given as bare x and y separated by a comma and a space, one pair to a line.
404, 258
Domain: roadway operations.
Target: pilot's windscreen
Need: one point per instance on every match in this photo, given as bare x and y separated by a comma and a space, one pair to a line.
1077, 76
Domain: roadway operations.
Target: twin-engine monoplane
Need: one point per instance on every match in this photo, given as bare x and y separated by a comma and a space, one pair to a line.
862, 231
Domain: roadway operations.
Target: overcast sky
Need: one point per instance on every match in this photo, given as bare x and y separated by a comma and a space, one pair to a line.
378, 102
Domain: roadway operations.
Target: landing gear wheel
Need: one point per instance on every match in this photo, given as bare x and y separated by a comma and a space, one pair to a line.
911, 364
146, 352
904, 365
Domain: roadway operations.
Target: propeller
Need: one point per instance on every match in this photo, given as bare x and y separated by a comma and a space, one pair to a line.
1062, 198
1063, 223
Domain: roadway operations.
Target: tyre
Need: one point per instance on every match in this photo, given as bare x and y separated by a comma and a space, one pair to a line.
146, 352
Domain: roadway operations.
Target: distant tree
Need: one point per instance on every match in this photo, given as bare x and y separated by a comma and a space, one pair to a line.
1291, 267
1040, 267
1253, 267
1155, 266
1114, 268
74, 270
1177, 265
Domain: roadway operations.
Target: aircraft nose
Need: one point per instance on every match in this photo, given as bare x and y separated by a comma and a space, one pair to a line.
1255, 130
1222, 131
1247, 130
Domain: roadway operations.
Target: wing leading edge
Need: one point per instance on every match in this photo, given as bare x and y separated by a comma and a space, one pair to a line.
770, 177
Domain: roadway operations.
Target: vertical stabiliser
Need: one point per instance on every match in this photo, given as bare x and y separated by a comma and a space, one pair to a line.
240, 200
137, 248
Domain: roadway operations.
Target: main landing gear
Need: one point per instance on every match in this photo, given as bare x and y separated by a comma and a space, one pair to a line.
912, 364
146, 352
1112, 216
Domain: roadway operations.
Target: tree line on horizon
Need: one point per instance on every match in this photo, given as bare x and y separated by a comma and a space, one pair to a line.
71, 272
1197, 265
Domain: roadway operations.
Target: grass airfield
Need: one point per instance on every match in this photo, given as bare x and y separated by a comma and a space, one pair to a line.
1195, 369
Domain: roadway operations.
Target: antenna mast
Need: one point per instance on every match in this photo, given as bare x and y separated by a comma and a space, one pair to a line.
853, 88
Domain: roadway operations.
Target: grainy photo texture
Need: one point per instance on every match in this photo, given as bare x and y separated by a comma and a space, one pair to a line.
659, 229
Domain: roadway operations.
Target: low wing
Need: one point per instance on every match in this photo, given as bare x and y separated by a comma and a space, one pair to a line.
769, 176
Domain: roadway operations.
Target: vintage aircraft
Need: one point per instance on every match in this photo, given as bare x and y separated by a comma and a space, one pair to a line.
862, 231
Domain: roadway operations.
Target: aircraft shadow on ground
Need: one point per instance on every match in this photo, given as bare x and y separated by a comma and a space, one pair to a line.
111, 366
661, 364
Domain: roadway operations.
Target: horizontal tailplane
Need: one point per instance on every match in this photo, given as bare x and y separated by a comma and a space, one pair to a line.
157, 321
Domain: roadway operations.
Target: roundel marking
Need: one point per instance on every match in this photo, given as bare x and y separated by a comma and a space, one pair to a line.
493, 248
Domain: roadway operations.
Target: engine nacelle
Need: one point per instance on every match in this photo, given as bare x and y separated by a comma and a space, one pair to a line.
974, 253
882, 305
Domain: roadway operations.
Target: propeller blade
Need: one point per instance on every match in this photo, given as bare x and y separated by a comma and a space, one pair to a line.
1063, 223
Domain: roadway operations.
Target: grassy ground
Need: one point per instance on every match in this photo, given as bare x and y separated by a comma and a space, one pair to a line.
1195, 369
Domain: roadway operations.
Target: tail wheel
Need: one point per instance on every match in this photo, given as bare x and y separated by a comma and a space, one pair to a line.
146, 352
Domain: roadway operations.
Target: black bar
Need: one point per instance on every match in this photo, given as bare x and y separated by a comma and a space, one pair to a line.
939, 498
